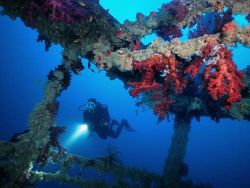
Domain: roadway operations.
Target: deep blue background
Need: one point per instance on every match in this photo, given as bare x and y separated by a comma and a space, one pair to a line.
216, 153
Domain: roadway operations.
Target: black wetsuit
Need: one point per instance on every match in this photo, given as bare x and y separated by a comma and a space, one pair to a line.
99, 121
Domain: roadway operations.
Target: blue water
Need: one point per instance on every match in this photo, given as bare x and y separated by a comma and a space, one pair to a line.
217, 153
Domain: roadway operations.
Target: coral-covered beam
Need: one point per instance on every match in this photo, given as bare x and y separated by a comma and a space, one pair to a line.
112, 44
123, 58
180, 13
76, 24
71, 23
220, 78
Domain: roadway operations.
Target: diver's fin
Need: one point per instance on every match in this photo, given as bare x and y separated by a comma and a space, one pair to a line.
125, 124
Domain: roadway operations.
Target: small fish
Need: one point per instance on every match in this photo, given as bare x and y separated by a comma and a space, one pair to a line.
198, 53
78, 72
82, 3
164, 73
121, 52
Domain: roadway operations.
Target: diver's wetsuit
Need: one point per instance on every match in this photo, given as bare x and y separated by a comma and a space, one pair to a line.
99, 121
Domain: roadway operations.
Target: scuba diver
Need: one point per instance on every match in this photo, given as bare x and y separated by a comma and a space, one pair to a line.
96, 116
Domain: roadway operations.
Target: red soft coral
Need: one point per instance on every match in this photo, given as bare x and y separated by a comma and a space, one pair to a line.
194, 68
154, 64
162, 107
148, 68
174, 80
229, 27
225, 79
220, 75
175, 76
143, 86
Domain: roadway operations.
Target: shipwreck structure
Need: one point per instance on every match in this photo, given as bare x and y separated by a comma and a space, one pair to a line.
189, 79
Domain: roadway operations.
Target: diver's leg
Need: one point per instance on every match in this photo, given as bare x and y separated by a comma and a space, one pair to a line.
126, 125
103, 132
114, 122
115, 134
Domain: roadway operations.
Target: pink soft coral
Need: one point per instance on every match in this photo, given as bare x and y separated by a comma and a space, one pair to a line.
177, 9
67, 11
